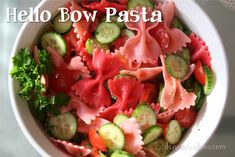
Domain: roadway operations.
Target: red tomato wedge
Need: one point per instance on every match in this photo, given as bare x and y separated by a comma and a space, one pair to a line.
96, 140
161, 35
120, 42
199, 73
186, 117
164, 128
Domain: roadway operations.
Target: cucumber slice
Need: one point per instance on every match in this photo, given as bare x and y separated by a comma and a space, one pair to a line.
159, 148
107, 32
114, 19
208, 87
118, 119
113, 136
128, 33
92, 43
151, 134
124, 75
55, 41
185, 54
174, 132
141, 3
61, 27
160, 92
197, 89
200, 102
63, 127
145, 116
121, 153
176, 66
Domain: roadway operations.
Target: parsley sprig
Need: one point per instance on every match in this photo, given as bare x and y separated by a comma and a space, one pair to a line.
28, 73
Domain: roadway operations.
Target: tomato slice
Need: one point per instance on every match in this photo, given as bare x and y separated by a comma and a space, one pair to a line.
199, 73
186, 117
96, 140
120, 42
71, 44
161, 35
164, 128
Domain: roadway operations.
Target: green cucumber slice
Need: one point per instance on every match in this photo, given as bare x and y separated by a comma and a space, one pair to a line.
63, 127
114, 19
160, 92
151, 134
159, 148
61, 27
177, 66
174, 132
200, 102
145, 116
118, 119
184, 53
197, 89
112, 136
124, 75
121, 153
55, 41
107, 32
92, 44
208, 87
128, 33
141, 3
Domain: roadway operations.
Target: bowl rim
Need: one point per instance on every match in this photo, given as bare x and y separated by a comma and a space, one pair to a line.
27, 133
198, 8
20, 122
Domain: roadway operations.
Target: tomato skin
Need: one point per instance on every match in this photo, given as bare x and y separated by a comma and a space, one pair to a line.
163, 39
120, 42
61, 80
96, 140
186, 117
164, 128
199, 73
161, 35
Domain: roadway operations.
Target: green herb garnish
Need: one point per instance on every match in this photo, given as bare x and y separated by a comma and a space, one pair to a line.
28, 73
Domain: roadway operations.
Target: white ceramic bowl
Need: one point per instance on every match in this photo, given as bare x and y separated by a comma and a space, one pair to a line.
208, 118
